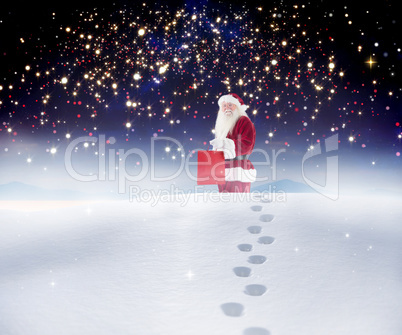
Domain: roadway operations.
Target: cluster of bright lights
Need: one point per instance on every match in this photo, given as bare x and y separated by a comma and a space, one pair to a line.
145, 59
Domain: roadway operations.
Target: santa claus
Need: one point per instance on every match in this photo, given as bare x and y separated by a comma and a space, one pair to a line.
235, 136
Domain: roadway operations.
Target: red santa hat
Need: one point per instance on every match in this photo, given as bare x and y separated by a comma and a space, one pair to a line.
234, 99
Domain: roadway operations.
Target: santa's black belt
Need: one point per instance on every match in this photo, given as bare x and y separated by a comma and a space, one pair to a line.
237, 158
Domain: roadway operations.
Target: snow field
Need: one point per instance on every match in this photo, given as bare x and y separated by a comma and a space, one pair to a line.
234, 309
257, 266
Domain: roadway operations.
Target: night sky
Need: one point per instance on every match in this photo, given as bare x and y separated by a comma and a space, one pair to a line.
139, 70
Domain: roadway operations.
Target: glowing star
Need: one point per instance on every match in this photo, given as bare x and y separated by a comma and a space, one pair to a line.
64, 80
167, 149
371, 62
274, 62
29, 160
137, 76
53, 151
331, 66
163, 69
190, 274
141, 32
68, 136
128, 125
351, 138
27, 67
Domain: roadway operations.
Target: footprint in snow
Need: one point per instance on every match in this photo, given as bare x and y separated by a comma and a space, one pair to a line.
255, 290
257, 259
266, 240
254, 229
232, 309
245, 247
256, 331
256, 208
265, 198
242, 271
266, 217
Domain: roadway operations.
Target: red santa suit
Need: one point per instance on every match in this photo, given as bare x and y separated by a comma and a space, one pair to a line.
237, 146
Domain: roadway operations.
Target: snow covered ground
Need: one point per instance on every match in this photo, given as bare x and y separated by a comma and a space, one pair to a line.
214, 265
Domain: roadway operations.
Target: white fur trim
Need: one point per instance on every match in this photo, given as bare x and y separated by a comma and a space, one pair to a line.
233, 100
229, 149
240, 174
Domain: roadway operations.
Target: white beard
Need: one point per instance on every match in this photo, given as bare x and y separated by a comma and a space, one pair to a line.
225, 123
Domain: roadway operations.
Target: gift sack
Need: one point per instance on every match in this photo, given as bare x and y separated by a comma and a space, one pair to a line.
210, 167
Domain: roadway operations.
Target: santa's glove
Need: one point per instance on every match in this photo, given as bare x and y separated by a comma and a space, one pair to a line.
229, 149
217, 144
226, 145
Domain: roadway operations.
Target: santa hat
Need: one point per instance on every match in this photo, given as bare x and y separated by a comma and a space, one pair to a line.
234, 99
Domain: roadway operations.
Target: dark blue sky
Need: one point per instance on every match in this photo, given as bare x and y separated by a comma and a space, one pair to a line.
135, 72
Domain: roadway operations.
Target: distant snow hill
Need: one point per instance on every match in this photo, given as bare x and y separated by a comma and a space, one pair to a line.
285, 185
21, 191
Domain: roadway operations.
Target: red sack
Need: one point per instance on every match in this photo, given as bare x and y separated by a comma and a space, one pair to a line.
210, 168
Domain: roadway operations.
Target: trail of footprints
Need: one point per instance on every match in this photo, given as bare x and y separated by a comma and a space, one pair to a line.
235, 309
